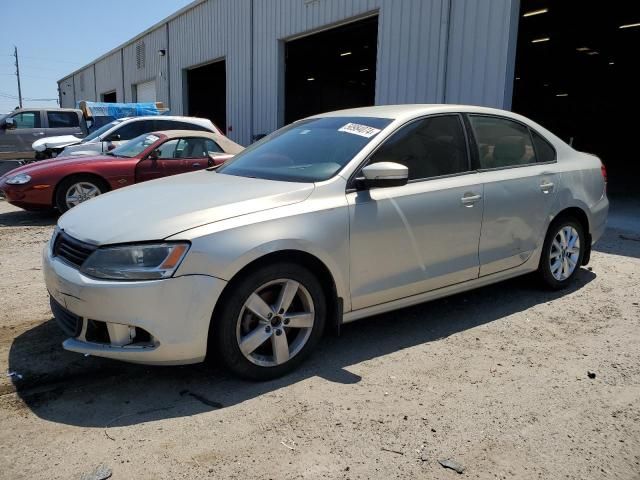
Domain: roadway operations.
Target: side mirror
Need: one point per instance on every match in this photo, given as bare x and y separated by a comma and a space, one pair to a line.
9, 124
384, 174
154, 155
217, 159
114, 137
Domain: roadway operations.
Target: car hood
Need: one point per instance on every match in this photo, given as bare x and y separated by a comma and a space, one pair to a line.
46, 165
88, 148
160, 208
54, 142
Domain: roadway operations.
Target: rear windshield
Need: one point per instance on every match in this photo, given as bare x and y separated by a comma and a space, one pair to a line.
100, 131
310, 150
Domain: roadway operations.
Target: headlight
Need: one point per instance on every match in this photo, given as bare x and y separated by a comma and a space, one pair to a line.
135, 262
19, 179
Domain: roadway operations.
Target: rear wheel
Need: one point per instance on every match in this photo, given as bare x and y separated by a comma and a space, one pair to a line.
270, 322
75, 190
562, 252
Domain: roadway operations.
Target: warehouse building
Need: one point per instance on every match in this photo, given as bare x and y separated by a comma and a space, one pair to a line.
252, 66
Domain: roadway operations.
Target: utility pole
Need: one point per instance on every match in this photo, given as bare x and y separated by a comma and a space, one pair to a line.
15, 54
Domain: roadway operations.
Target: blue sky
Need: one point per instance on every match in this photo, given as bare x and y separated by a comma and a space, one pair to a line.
55, 37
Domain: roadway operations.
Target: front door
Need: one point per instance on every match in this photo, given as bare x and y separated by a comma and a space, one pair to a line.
16, 142
178, 155
161, 163
424, 235
517, 170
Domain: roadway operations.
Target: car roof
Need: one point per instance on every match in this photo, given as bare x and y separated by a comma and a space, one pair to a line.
413, 110
185, 133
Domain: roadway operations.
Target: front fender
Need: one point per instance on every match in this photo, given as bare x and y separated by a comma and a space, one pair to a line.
222, 253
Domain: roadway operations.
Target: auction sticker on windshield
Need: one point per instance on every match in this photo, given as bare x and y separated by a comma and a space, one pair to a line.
358, 129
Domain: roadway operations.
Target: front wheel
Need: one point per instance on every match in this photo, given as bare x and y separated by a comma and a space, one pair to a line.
270, 322
562, 253
75, 190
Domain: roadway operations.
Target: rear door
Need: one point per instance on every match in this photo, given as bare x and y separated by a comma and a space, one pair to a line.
63, 123
518, 173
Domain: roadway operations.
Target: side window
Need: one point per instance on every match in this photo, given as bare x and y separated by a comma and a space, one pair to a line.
191, 148
134, 129
501, 142
544, 151
63, 119
162, 125
189, 126
430, 147
212, 147
27, 120
167, 149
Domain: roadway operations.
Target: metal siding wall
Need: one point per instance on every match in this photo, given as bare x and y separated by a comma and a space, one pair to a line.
215, 30
412, 39
89, 88
411, 48
480, 58
66, 92
454, 51
109, 76
155, 66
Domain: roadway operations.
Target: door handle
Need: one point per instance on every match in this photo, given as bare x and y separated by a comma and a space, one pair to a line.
547, 187
39, 133
195, 165
468, 200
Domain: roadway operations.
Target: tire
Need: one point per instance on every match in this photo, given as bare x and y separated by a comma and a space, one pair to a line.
90, 187
235, 324
558, 249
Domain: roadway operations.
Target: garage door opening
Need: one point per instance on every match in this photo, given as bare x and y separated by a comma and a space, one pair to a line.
207, 93
109, 97
576, 75
331, 70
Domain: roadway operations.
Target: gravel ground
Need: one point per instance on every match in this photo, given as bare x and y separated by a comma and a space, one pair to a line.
495, 379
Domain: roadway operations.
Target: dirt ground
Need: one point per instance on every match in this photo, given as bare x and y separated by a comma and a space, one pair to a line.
495, 379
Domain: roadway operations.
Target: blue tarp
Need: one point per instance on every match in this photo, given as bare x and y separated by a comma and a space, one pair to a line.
120, 110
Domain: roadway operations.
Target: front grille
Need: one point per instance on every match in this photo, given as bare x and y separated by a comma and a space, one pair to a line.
70, 323
72, 250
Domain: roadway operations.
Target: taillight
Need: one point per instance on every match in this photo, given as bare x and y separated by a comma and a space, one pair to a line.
603, 170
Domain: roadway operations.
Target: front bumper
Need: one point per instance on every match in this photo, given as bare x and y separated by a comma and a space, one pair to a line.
176, 313
25, 196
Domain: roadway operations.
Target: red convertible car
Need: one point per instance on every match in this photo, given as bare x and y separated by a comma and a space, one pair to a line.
64, 183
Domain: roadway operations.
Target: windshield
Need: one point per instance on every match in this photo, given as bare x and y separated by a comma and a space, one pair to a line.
100, 131
135, 147
307, 151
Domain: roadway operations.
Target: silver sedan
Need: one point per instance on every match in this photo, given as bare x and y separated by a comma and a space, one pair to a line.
331, 219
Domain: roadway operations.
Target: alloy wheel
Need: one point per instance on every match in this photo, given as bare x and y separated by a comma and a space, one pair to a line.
275, 322
565, 253
80, 192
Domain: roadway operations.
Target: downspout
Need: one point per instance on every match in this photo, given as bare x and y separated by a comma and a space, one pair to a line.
251, 119
124, 92
95, 84
168, 71
446, 52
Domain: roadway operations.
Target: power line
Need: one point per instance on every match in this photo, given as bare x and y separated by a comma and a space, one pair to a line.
49, 59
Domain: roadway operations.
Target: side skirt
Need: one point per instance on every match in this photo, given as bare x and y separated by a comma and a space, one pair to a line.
529, 266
